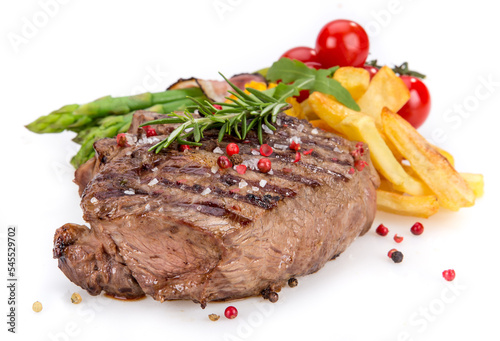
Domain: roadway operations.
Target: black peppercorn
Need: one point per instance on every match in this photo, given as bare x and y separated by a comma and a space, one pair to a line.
292, 282
397, 256
236, 159
273, 297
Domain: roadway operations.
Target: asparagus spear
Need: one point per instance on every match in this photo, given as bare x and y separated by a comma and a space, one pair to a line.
75, 117
110, 127
59, 120
122, 105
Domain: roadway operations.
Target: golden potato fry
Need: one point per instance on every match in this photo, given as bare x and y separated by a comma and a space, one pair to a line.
476, 182
328, 109
360, 127
447, 155
417, 206
295, 110
308, 111
355, 79
385, 90
451, 189
322, 125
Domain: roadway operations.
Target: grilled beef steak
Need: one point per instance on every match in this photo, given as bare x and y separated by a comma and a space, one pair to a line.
174, 226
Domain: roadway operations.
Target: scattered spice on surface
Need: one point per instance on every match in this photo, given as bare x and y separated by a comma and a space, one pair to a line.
382, 230
232, 149
121, 140
297, 157
273, 297
236, 159
391, 251
231, 312
37, 307
449, 275
241, 169
223, 162
397, 256
417, 229
264, 165
398, 239
294, 145
293, 282
360, 165
213, 317
351, 170
150, 131
218, 150
307, 152
76, 298
184, 147
266, 150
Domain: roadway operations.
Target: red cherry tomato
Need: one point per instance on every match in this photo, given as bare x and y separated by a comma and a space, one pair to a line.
418, 106
313, 65
342, 43
301, 53
372, 70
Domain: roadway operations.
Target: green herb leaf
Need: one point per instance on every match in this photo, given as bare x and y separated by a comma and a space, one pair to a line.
288, 70
305, 78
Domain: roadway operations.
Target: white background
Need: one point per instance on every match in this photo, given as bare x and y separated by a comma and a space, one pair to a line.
88, 49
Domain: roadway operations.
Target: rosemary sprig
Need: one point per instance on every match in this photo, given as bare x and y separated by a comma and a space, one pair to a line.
247, 111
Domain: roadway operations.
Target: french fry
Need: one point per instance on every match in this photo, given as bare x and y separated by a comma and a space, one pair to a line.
385, 90
447, 155
417, 206
308, 111
360, 127
328, 109
355, 79
476, 182
295, 110
451, 189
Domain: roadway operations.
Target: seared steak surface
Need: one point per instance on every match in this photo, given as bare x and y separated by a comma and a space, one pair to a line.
174, 226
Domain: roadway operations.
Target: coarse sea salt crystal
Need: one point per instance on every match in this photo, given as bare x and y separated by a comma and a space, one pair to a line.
267, 130
255, 189
251, 163
153, 182
270, 172
94, 200
217, 150
314, 131
278, 121
255, 152
206, 191
300, 127
147, 207
280, 146
337, 150
242, 184
295, 139
214, 169
154, 169
130, 191
262, 183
